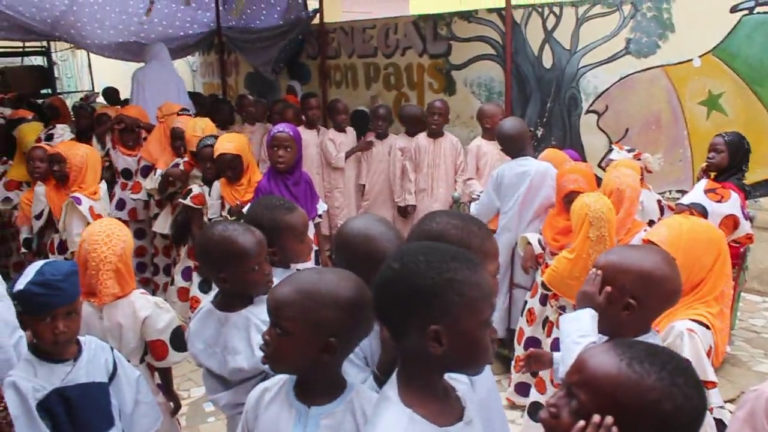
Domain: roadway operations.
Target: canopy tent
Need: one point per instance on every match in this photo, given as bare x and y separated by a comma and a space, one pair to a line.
121, 29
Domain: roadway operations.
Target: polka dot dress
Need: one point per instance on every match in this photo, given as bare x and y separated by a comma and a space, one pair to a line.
11, 262
538, 328
130, 204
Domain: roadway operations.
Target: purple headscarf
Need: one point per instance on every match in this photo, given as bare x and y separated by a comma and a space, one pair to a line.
294, 184
573, 155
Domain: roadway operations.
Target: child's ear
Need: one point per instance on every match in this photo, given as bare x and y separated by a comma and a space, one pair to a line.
436, 339
629, 307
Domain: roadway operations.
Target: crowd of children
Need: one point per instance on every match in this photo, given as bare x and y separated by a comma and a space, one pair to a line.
323, 279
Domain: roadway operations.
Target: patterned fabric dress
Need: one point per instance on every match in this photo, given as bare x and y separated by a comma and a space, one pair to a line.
130, 204
11, 261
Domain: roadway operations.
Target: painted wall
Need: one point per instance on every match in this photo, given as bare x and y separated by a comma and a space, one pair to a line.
659, 75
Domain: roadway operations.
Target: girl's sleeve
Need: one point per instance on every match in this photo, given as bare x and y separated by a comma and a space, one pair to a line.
139, 411
332, 153
163, 332
73, 224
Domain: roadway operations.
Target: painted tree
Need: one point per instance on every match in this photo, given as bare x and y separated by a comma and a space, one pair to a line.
547, 71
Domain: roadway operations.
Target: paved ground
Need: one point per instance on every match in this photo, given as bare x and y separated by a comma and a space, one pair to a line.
745, 366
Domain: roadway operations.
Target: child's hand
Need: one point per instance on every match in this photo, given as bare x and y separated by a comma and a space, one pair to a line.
596, 424
529, 260
173, 398
535, 360
589, 295
703, 173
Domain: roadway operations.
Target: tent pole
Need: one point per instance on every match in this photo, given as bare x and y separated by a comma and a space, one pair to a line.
323, 48
508, 53
220, 51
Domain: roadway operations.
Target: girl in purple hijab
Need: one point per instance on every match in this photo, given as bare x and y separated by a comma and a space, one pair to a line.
285, 176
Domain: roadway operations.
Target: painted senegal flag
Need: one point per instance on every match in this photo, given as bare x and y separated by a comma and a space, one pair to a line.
675, 110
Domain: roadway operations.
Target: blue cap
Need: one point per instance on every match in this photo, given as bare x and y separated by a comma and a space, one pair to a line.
45, 286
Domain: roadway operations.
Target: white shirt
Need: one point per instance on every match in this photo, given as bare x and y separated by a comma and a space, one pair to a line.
273, 406
226, 346
521, 192
13, 342
83, 382
391, 415
359, 366
578, 331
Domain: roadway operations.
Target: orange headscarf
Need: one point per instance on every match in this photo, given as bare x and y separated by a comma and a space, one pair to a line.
157, 148
622, 187
26, 135
702, 256
556, 157
65, 116
135, 111
197, 128
111, 111
557, 230
242, 191
630, 164
105, 262
594, 223
84, 167
21, 114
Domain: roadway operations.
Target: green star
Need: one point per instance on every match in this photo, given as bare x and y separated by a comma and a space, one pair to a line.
712, 103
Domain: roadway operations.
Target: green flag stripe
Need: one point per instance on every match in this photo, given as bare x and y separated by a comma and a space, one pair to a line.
744, 51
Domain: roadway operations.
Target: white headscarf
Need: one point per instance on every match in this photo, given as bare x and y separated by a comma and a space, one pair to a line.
157, 81
296, 86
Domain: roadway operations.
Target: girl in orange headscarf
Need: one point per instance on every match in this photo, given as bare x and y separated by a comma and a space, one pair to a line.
34, 209
594, 227
538, 251
239, 173
698, 327
83, 199
653, 207
141, 327
556, 157
622, 187
57, 111
130, 202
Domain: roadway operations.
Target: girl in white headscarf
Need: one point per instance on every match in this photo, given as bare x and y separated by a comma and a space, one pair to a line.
157, 81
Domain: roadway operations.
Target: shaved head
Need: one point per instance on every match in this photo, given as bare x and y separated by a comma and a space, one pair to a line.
489, 109
514, 137
364, 243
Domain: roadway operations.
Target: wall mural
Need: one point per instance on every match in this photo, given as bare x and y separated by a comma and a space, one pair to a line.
663, 76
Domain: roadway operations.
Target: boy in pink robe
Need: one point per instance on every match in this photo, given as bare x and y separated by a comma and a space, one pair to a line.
312, 134
413, 120
438, 163
254, 126
340, 165
484, 154
375, 177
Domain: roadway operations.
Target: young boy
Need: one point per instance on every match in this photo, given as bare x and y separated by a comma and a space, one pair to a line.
254, 126
362, 245
520, 192
317, 317
436, 303
312, 134
629, 288
438, 164
484, 154
224, 335
285, 227
376, 167
223, 115
341, 160
413, 120
629, 386
66, 382
468, 233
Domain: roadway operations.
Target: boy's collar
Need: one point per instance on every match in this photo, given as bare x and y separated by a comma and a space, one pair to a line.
44, 357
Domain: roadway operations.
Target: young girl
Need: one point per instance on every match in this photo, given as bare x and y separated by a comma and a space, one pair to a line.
594, 226
286, 178
130, 202
77, 199
141, 327
16, 192
622, 187
33, 208
239, 174
188, 290
539, 251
